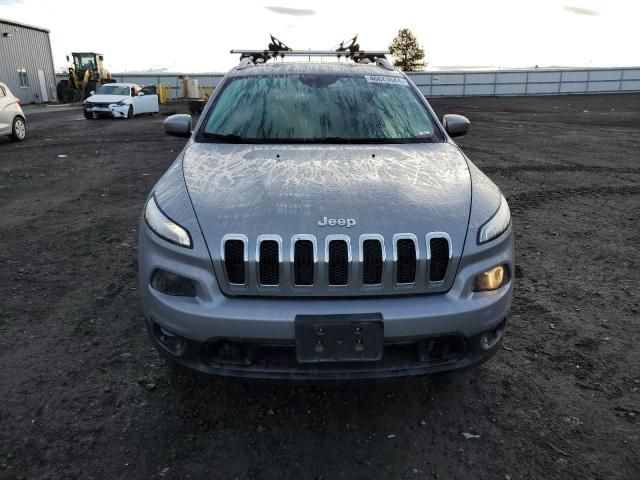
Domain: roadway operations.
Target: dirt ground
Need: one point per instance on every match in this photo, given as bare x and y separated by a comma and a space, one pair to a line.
83, 394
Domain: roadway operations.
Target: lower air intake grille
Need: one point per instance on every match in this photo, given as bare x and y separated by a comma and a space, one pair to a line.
406, 266
439, 259
234, 261
371, 262
303, 263
269, 263
338, 262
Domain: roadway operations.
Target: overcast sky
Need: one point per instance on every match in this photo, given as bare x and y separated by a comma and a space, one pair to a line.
196, 36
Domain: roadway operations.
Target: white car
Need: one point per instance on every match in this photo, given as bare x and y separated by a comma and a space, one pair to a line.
12, 119
122, 100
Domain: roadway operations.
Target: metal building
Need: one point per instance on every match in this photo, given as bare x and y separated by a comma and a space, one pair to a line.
26, 62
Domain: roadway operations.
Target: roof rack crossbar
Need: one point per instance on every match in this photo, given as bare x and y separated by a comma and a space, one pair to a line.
357, 56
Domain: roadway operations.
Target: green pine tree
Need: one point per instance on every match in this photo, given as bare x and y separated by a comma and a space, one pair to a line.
408, 54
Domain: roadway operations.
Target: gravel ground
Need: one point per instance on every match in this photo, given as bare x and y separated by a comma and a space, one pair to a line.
84, 394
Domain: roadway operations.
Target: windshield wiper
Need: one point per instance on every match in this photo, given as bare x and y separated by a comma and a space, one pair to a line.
421, 139
234, 138
224, 138
333, 140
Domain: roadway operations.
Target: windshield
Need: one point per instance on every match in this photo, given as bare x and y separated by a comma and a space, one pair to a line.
318, 108
84, 61
113, 90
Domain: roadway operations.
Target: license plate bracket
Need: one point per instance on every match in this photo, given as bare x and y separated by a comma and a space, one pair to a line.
339, 338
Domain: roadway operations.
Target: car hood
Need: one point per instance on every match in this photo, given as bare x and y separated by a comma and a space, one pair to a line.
287, 189
106, 98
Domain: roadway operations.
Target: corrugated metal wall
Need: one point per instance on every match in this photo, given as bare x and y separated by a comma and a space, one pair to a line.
29, 49
528, 82
459, 84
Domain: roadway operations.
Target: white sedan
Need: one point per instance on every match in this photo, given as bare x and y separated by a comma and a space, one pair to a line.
12, 120
122, 100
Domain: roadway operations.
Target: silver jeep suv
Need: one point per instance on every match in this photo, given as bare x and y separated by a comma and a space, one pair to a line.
321, 224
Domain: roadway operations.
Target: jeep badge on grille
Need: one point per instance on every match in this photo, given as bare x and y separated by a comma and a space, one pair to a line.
340, 222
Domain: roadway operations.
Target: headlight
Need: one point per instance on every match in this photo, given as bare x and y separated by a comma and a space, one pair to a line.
496, 224
491, 279
164, 227
121, 102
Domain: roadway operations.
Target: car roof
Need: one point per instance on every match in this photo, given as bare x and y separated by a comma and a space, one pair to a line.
122, 84
293, 68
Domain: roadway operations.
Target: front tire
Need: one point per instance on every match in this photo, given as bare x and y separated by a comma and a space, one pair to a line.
130, 112
71, 95
88, 115
19, 130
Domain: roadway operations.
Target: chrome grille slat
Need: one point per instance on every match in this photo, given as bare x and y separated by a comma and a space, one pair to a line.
235, 258
438, 255
416, 265
372, 260
338, 260
303, 262
269, 263
406, 258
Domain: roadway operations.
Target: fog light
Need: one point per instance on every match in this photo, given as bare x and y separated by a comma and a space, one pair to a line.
489, 339
491, 279
172, 284
172, 342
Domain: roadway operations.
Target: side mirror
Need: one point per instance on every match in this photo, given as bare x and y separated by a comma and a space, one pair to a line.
101, 58
67, 58
456, 125
178, 125
141, 94
91, 93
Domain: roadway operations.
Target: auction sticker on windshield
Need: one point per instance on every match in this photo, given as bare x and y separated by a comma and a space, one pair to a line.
386, 79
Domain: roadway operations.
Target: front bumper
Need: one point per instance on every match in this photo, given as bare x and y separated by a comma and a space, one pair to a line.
263, 329
116, 111
276, 360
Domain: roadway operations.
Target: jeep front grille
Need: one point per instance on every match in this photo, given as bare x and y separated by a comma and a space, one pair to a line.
303, 263
269, 262
234, 260
338, 262
406, 260
439, 250
336, 265
372, 262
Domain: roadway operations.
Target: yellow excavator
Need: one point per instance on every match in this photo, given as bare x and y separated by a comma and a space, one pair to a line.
85, 75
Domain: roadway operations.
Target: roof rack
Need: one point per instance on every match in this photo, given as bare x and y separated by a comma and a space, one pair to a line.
278, 49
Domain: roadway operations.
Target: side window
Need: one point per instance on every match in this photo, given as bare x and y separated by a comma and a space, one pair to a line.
22, 77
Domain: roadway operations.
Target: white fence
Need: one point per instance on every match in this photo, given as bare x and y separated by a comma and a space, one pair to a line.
467, 83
